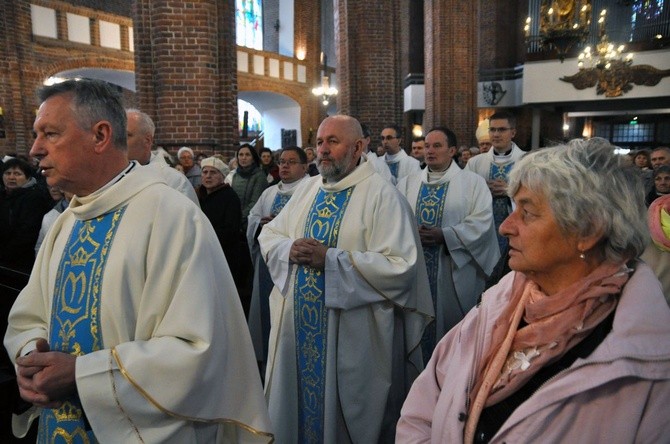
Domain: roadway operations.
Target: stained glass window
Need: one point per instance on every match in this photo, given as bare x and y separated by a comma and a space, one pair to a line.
249, 23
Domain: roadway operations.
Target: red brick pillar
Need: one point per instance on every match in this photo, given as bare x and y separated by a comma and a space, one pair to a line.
186, 71
369, 62
307, 30
451, 63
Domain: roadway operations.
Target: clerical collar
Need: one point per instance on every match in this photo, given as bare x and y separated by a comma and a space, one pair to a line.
118, 177
392, 157
434, 176
501, 158
506, 153
289, 186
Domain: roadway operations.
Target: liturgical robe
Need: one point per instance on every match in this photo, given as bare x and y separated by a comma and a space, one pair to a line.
376, 301
174, 361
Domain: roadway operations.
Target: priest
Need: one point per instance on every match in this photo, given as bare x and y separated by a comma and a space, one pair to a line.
350, 300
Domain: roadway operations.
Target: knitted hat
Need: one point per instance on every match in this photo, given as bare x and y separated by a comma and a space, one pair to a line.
216, 163
183, 149
482, 133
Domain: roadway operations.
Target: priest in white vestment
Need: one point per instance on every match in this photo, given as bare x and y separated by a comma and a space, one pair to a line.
495, 165
292, 172
350, 301
399, 163
453, 211
126, 333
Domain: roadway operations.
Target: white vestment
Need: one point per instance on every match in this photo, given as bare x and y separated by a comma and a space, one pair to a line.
377, 300
470, 249
406, 164
261, 209
481, 163
176, 362
380, 166
172, 177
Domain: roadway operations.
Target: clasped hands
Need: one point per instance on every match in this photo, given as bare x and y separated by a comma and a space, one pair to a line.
431, 236
498, 187
46, 378
310, 252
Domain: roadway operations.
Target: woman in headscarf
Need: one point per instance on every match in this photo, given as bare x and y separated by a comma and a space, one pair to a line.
22, 205
572, 345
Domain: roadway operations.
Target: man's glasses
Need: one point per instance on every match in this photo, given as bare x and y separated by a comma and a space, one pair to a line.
289, 162
389, 138
498, 130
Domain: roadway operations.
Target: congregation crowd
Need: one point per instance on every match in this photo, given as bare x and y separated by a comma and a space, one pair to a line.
338, 293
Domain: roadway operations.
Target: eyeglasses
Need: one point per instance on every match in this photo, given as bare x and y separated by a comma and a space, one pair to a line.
389, 138
498, 130
289, 162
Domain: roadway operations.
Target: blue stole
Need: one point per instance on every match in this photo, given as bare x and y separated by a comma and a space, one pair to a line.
393, 166
500, 204
429, 210
311, 316
278, 203
75, 317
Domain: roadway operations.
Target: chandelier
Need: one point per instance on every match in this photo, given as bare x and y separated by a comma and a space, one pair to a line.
325, 91
563, 24
607, 54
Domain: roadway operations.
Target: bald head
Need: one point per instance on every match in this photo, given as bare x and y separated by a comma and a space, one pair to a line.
339, 143
140, 132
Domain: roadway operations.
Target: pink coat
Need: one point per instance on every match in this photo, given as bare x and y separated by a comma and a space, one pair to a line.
619, 394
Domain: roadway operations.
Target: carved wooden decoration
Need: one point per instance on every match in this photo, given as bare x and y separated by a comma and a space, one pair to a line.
618, 79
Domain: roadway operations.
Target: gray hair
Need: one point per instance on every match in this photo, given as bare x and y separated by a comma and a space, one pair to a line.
92, 102
147, 125
590, 192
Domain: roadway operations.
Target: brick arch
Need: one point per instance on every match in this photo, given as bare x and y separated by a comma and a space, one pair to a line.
86, 62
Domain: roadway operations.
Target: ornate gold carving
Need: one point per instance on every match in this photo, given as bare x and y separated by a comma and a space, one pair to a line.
618, 79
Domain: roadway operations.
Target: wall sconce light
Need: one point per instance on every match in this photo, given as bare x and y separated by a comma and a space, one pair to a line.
300, 54
277, 25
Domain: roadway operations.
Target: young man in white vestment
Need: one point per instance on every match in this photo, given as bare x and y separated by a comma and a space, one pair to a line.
453, 211
292, 172
495, 165
123, 334
350, 301
399, 162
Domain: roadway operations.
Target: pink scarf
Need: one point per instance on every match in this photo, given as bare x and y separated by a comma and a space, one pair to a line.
555, 324
659, 222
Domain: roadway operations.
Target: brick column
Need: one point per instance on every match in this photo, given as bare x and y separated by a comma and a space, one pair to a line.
20, 77
369, 62
307, 31
186, 71
451, 50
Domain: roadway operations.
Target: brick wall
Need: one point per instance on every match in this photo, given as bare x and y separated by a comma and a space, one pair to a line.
186, 71
27, 60
369, 62
451, 66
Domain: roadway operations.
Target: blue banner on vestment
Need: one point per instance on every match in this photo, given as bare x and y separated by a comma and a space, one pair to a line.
429, 211
311, 315
75, 317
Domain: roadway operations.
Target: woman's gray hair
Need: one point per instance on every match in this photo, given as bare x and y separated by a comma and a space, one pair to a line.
591, 192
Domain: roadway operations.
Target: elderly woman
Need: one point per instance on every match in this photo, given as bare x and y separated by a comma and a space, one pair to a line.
572, 345
22, 206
